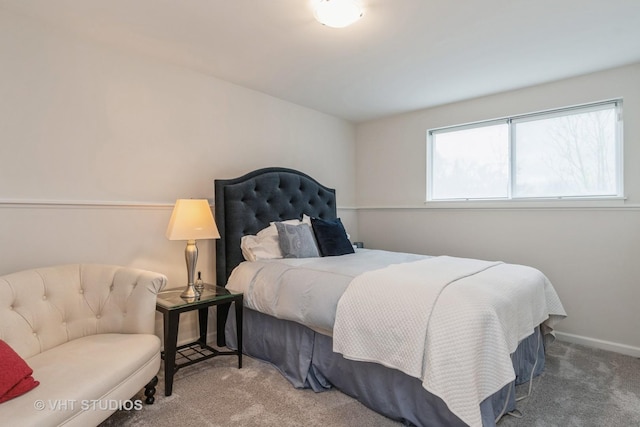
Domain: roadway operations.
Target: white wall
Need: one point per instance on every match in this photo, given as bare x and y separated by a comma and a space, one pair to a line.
97, 144
590, 254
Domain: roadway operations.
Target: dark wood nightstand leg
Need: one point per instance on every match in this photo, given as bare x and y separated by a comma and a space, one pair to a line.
171, 321
239, 305
221, 319
203, 320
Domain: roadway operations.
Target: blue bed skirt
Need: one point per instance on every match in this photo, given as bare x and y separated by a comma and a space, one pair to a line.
306, 359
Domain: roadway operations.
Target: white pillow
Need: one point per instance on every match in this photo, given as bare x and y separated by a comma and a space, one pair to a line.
254, 248
266, 244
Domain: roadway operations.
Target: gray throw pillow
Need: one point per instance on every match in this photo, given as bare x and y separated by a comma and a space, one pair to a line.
297, 241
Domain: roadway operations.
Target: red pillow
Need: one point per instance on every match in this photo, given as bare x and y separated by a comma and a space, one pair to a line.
15, 374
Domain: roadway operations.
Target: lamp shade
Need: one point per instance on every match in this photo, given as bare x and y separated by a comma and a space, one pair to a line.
337, 13
192, 219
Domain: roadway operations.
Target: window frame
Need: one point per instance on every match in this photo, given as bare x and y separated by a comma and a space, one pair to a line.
511, 121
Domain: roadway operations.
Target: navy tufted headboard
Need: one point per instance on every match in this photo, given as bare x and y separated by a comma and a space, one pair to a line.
247, 204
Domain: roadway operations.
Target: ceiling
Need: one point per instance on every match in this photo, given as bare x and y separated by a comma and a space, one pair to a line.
401, 56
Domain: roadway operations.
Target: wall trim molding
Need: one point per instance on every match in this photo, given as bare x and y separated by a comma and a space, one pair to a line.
489, 207
38, 203
35, 203
601, 344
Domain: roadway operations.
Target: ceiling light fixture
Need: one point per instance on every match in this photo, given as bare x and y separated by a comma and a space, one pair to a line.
337, 13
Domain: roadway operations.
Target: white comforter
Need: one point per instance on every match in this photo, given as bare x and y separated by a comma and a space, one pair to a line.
459, 318
451, 322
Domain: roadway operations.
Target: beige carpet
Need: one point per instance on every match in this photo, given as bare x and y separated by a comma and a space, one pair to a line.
581, 387
217, 393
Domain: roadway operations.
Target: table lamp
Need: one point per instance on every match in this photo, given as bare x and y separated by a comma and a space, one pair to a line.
191, 219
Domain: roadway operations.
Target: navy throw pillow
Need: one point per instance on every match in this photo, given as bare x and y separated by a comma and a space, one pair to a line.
331, 237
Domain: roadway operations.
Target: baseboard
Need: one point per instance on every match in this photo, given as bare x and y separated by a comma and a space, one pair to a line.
601, 344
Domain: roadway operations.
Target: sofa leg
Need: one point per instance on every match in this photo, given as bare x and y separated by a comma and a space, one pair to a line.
150, 391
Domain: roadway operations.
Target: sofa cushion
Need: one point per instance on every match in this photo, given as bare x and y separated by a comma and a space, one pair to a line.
74, 375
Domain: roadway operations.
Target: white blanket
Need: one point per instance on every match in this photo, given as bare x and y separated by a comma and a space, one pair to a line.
451, 322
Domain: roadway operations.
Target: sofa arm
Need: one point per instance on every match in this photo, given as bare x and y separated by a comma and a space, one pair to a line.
129, 306
141, 306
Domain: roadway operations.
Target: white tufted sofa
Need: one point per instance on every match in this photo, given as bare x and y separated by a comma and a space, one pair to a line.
87, 331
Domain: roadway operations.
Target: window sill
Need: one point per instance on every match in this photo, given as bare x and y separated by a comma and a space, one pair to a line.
546, 203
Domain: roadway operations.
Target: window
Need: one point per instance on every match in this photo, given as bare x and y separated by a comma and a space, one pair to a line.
572, 152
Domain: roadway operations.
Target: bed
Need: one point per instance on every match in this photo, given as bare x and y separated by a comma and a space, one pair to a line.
310, 353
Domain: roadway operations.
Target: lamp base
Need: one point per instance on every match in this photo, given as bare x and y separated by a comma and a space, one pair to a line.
189, 293
191, 256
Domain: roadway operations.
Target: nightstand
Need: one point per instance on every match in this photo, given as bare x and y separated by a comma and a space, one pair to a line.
171, 305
